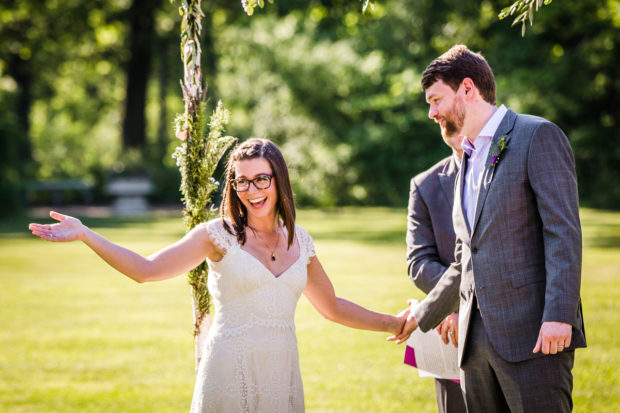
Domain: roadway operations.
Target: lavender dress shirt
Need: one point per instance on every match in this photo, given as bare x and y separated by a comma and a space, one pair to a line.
478, 151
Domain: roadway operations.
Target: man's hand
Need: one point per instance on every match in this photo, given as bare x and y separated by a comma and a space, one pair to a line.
448, 329
553, 337
410, 325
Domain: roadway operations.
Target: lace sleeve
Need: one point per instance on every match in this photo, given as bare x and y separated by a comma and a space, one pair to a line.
219, 235
306, 245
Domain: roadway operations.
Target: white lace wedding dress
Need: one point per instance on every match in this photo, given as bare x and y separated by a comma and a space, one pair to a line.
250, 361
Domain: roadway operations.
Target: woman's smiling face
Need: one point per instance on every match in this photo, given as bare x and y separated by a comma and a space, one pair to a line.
258, 202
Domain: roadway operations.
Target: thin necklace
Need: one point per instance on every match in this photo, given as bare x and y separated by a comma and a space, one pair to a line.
273, 251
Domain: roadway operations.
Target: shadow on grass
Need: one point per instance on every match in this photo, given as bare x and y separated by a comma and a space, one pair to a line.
370, 237
372, 225
18, 226
398, 237
610, 241
601, 229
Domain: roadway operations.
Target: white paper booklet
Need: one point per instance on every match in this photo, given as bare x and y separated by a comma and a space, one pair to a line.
431, 356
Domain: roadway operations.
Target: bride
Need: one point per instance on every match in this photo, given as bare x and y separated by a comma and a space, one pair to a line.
260, 262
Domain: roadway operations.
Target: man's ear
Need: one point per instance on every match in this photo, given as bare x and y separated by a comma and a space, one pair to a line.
469, 88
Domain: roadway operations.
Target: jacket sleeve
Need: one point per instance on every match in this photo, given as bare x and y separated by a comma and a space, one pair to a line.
552, 176
423, 262
443, 299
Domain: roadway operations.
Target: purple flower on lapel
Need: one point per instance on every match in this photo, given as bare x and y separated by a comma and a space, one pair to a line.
497, 149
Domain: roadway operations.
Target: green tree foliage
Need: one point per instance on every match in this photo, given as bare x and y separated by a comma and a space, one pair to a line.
61, 72
337, 88
567, 71
55, 67
340, 90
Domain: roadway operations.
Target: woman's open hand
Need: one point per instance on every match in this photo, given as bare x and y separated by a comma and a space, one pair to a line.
67, 229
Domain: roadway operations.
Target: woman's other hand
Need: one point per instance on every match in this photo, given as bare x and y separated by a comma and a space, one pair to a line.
410, 324
401, 319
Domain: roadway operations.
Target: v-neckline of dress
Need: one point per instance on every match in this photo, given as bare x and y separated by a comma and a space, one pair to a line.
267, 268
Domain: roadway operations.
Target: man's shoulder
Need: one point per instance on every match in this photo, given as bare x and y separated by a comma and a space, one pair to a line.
531, 121
527, 128
440, 167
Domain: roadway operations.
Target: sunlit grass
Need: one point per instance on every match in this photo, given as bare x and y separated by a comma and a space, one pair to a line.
78, 337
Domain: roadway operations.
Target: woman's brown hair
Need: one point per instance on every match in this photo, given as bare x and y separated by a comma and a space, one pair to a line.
232, 207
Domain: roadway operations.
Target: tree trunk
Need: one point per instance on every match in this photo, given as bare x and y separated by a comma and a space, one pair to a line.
141, 34
19, 70
164, 126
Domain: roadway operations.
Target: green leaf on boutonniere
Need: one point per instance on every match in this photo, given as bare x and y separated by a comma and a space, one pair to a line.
496, 150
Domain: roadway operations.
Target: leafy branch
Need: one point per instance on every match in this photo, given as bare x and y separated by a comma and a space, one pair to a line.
524, 10
250, 5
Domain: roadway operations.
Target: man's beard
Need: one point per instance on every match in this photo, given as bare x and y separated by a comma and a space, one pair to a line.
454, 120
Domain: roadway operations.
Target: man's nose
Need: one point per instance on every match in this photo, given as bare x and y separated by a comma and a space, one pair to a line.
432, 112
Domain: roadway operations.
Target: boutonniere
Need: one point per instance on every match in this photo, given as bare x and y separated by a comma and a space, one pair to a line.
496, 150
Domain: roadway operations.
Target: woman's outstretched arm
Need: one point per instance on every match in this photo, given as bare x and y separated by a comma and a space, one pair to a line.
320, 292
166, 263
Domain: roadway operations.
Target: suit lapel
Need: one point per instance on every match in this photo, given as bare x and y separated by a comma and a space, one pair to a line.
446, 181
505, 127
458, 193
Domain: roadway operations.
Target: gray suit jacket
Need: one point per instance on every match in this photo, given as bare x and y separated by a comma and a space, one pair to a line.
430, 234
522, 258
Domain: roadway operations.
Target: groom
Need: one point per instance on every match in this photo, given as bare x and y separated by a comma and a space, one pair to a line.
518, 246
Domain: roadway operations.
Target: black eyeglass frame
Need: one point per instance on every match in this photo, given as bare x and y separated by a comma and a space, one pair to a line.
234, 182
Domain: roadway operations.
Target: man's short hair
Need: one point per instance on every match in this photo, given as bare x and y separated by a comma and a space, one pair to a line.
455, 65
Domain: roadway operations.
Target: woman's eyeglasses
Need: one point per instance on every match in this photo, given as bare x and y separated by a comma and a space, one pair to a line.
243, 184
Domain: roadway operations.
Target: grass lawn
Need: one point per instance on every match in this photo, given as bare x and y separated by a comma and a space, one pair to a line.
78, 337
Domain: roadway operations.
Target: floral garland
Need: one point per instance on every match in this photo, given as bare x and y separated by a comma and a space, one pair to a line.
202, 148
